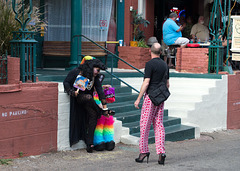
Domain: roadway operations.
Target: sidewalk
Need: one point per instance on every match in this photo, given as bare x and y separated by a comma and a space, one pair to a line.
213, 151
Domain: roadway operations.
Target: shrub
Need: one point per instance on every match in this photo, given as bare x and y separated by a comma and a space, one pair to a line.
8, 23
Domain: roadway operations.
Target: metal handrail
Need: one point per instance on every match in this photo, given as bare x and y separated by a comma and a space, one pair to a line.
122, 81
109, 52
113, 55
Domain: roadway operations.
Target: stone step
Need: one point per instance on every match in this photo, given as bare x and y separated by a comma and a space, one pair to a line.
173, 133
181, 82
134, 127
121, 107
132, 116
121, 97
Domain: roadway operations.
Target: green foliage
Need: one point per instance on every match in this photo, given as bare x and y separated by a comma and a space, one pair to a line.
6, 161
137, 21
142, 43
8, 23
20, 154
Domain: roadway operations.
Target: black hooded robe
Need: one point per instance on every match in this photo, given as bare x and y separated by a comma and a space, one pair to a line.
78, 115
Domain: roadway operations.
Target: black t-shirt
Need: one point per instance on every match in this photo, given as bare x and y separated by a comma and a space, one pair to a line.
155, 70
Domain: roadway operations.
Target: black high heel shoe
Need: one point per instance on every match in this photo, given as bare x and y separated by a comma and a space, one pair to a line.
162, 157
142, 157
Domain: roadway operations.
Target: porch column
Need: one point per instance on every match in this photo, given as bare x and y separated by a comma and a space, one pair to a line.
76, 29
120, 19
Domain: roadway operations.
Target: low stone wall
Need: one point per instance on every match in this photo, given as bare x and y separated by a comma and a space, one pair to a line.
136, 56
192, 60
28, 120
13, 70
28, 115
233, 117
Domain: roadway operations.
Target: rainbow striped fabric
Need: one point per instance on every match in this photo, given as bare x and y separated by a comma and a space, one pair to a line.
104, 130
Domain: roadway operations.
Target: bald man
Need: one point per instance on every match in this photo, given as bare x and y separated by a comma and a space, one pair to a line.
155, 70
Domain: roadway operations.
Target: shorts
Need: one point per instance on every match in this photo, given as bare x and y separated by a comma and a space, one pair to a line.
181, 41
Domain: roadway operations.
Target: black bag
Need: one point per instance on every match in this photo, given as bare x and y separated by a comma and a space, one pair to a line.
161, 93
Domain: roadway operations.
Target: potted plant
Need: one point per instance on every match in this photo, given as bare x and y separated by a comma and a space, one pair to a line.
138, 34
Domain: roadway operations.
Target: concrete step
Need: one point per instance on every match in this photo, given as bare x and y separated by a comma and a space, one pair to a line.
123, 107
173, 133
134, 127
181, 82
121, 97
132, 116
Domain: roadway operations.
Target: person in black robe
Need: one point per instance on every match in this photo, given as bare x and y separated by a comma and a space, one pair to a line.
84, 111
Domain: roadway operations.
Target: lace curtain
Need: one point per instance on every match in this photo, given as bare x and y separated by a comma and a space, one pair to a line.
95, 19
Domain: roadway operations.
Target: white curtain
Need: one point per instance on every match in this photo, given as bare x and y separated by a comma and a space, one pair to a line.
95, 19
58, 15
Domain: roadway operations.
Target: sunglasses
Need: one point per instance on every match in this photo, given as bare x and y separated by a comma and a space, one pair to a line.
98, 70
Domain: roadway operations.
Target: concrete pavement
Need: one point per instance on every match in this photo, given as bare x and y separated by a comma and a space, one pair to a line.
212, 151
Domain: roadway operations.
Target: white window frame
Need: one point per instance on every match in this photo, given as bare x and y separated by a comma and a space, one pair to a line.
142, 8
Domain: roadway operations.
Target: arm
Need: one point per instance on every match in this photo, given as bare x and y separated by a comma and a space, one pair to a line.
168, 84
99, 89
180, 29
193, 37
68, 83
143, 89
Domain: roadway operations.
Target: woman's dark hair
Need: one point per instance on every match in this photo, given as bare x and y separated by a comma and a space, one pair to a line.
87, 67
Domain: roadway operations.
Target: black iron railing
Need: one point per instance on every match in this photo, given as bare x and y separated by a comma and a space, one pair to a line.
78, 37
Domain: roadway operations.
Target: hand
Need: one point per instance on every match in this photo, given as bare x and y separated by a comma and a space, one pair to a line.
76, 93
136, 103
106, 86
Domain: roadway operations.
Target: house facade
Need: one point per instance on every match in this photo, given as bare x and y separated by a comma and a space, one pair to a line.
108, 20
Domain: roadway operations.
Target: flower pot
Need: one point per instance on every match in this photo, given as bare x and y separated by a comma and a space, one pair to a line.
133, 43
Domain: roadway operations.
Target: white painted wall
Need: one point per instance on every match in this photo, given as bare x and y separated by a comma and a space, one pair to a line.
211, 113
198, 102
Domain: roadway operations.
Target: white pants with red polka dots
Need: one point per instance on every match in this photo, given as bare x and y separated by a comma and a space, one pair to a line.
151, 113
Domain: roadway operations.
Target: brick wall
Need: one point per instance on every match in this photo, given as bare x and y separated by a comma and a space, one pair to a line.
28, 115
233, 117
192, 60
128, 27
13, 70
135, 56
28, 120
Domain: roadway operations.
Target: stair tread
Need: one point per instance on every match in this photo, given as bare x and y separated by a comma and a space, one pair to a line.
120, 104
134, 112
168, 130
134, 124
125, 94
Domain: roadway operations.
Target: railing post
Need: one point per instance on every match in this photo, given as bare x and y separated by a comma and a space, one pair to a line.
3, 69
22, 63
23, 44
217, 31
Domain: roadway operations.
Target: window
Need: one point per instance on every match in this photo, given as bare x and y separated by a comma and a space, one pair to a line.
142, 8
